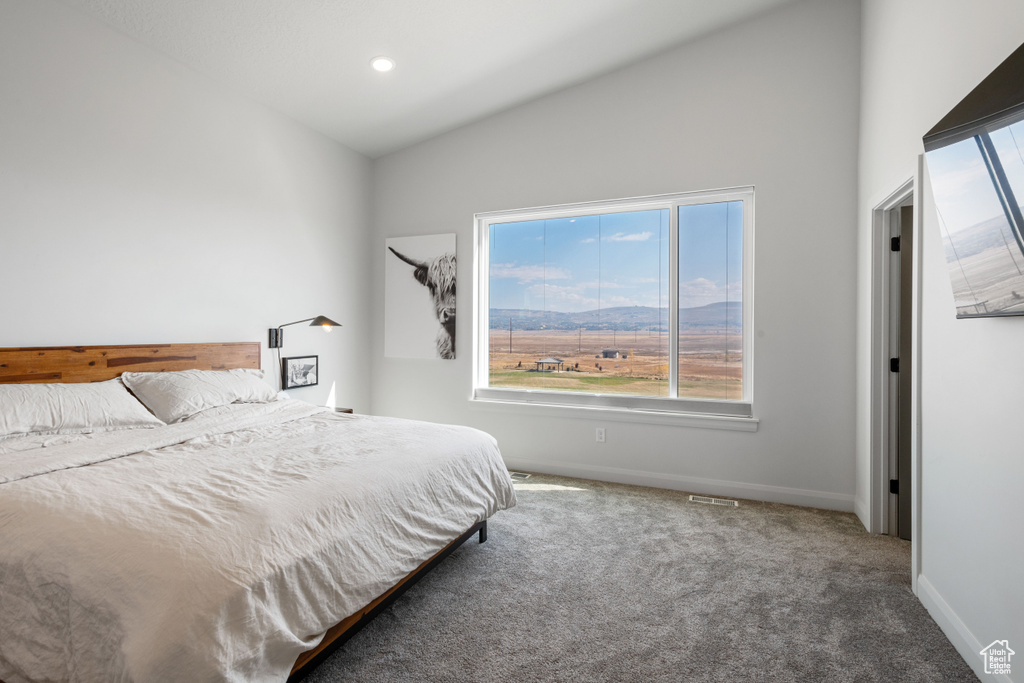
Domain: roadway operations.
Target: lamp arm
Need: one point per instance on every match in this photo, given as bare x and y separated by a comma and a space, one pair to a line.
296, 322
276, 334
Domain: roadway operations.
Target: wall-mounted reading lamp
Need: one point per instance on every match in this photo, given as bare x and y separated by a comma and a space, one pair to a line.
277, 334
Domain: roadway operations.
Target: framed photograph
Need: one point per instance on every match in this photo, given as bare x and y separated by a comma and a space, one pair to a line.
299, 371
419, 297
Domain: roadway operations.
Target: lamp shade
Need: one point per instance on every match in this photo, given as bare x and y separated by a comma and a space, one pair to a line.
324, 321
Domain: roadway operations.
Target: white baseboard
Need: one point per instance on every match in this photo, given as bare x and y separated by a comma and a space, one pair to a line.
956, 630
716, 487
860, 508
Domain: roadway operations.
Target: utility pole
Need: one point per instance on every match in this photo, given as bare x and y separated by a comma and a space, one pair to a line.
510, 335
579, 345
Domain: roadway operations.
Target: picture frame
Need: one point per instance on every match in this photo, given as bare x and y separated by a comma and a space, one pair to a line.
300, 371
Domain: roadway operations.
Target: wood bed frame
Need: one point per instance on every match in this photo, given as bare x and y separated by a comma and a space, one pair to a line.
99, 363
348, 627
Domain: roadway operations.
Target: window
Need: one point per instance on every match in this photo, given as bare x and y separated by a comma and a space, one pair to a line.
641, 304
978, 183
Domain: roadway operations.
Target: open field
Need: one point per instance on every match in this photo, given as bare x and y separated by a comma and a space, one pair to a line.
710, 365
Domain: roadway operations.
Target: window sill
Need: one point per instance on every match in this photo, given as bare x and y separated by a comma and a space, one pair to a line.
726, 422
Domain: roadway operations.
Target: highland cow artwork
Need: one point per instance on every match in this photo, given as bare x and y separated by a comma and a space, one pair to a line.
419, 300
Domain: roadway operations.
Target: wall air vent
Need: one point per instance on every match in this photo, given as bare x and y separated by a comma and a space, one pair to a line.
714, 501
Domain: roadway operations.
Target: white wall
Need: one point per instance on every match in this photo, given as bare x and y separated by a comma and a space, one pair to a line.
140, 203
920, 57
772, 102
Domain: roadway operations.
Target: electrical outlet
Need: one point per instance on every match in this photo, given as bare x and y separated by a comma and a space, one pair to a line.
600, 435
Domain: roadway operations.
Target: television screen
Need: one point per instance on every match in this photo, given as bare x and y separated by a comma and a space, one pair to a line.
978, 183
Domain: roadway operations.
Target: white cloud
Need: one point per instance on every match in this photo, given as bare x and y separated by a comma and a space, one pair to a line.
962, 187
529, 273
583, 296
612, 301
699, 287
630, 237
961, 180
564, 297
701, 291
589, 240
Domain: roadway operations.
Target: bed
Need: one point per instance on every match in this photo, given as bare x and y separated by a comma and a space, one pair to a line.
240, 542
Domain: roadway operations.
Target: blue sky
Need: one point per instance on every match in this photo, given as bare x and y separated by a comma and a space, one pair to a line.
620, 259
963, 191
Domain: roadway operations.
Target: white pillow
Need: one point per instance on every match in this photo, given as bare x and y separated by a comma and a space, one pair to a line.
70, 409
173, 396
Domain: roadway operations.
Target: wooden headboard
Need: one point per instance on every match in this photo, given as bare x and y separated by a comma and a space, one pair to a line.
99, 363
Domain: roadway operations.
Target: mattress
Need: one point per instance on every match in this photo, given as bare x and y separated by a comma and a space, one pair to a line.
220, 548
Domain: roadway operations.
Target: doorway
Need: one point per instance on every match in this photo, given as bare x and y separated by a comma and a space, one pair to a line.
900, 423
892, 363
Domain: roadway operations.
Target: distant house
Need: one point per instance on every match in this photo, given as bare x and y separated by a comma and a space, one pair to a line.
610, 353
549, 364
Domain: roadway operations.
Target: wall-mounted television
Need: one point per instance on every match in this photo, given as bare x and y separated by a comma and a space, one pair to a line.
975, 158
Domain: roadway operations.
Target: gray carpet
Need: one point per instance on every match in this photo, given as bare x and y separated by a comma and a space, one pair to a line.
587, 581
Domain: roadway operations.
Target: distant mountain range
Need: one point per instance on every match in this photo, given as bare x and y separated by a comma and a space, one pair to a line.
618, 318
973, 240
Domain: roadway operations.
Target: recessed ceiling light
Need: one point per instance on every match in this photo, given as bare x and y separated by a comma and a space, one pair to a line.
382, 63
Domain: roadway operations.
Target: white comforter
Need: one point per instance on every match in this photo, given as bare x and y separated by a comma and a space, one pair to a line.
222, 547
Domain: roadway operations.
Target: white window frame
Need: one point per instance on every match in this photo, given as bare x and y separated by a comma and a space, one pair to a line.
717, 409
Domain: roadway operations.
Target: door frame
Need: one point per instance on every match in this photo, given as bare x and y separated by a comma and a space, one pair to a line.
881, 261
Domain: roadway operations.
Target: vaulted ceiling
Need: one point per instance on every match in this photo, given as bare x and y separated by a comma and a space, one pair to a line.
457, 60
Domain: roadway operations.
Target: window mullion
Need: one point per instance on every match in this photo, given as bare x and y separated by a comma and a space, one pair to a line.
673, 301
